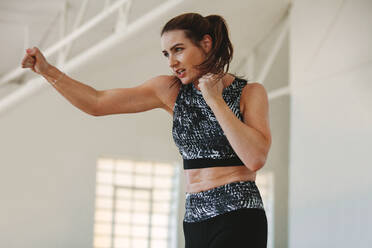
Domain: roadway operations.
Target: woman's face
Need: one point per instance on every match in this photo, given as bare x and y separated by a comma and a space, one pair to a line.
183, 55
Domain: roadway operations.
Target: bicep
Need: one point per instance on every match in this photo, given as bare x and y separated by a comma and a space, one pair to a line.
141, 98
255, 109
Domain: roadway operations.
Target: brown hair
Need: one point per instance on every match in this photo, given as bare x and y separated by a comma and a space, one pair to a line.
195, 27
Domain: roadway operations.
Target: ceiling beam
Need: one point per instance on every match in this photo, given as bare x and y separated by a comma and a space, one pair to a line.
69, 38
132, 29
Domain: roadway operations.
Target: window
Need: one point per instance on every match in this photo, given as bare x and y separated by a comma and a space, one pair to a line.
136, 204
265, 183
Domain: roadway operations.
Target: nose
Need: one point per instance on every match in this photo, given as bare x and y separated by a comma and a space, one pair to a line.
172, 61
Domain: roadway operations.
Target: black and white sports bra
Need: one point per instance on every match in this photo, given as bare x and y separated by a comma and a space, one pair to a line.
196, 131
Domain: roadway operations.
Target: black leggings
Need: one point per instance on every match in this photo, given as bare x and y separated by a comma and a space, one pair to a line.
246, 227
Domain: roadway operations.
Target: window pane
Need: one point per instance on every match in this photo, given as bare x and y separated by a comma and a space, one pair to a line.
143, 181
143, 168
141, 218
103, 229
123, 179
139, 243
141, 206
122, 217
103, 215
123, 205
122, 193
104, 190
122, 242
159, 243
162, 182
162, 195
104, 177
124, 166
142, 194
104, 203
164, 169
140, 231
105, 164
121, 229
160, 219
102, 241
159, 232
161, 207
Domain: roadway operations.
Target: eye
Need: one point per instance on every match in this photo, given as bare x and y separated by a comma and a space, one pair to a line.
178, 49
165, 55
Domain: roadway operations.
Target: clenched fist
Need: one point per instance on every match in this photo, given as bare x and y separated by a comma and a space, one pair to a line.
211, 86
35, 60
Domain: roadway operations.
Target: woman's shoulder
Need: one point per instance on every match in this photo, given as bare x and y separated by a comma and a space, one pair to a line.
253, 92
164, 82
165, 77
167, 88
255, 88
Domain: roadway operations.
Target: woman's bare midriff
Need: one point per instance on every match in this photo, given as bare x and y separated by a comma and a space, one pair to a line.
207, 178
198, 180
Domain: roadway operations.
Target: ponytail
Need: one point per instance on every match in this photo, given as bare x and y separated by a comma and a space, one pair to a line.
221, 53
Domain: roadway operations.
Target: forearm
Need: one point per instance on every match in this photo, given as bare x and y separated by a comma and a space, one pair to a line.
247, 142
80, 95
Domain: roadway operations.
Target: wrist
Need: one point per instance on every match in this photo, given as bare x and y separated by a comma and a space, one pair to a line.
216, 102
50, 72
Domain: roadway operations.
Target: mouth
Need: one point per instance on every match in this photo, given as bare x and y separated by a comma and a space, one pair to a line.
181, 73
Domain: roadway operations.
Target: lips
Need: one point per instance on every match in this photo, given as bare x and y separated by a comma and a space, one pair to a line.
180, 73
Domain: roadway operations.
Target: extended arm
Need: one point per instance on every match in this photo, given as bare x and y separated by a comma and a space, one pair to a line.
149, 95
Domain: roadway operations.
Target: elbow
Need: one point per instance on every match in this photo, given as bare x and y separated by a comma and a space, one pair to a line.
260, 164
95, 114
257, 163
260, 158
95, 111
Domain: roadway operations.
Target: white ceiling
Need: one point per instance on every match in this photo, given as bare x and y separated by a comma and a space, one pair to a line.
249, 22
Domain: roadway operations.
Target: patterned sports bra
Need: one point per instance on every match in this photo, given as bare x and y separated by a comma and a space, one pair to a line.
196, 131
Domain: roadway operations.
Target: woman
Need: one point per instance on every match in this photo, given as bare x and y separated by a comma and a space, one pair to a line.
220, 125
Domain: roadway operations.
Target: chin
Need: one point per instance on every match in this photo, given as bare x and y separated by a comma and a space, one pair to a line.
185, 80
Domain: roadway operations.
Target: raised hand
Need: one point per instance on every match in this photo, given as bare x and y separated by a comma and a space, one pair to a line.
35, 60
211, 86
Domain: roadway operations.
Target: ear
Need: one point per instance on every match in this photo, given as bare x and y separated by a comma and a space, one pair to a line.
206, 43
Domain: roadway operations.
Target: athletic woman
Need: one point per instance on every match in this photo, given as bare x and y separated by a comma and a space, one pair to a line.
220, 125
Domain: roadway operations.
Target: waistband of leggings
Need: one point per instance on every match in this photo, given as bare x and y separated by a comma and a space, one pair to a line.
222, 199
229, 188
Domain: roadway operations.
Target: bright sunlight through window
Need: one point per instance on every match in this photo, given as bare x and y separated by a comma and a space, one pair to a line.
265, 183
136, 204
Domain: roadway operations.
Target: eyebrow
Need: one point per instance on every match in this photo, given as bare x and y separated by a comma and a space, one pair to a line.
173, 47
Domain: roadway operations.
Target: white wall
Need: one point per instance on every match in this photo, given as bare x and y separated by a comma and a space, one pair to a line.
331, 135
